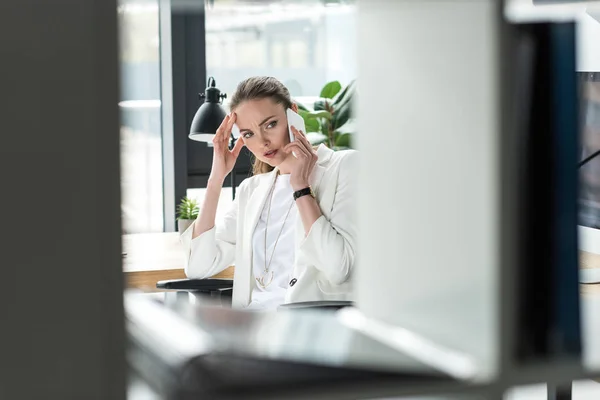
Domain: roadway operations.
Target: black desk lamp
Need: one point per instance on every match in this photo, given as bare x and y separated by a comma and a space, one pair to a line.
208, 118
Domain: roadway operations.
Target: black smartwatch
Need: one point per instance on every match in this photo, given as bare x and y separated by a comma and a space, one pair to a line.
303, 192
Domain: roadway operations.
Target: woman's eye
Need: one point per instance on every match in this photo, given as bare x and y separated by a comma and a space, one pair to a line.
247, 135
272, 125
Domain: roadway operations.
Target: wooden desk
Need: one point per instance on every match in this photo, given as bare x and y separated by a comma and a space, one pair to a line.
590, 314
589, 260
153, 257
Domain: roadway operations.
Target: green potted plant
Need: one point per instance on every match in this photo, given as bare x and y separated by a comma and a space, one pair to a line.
330, 120
187, 212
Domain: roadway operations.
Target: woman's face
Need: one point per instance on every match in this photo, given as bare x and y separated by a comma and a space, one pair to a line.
264, 130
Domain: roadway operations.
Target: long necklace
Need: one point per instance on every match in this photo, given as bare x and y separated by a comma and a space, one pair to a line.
267, 277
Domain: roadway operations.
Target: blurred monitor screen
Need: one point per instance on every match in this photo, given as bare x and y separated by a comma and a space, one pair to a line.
589, 198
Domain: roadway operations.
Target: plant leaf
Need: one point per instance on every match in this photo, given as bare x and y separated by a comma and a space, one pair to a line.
322, 105
342, 115
187, 209
330, 89
325, 127
312, 125
314, 114
319, 114
301, 106
343, 140
344, 95
303, 113
348, 127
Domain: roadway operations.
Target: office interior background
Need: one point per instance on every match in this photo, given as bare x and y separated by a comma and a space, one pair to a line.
63, 330
305, 44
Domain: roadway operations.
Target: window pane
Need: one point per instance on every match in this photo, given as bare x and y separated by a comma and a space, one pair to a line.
305, 44
140, 108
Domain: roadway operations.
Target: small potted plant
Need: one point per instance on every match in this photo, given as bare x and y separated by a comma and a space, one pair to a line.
187, 212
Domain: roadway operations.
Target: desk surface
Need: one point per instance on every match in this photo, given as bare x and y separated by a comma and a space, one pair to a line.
589, 260
153, 257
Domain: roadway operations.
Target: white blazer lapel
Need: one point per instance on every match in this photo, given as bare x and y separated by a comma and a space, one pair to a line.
256, 202
324, 154
254, 206
315, 178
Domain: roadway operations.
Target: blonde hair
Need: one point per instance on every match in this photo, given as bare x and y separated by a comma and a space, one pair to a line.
256, 88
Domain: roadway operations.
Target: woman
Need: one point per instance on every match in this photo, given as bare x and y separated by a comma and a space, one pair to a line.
291, 229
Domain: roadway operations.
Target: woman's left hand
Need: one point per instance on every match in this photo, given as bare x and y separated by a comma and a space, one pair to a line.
303, 163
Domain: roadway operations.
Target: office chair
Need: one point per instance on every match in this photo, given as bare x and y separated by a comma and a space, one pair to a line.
220, 291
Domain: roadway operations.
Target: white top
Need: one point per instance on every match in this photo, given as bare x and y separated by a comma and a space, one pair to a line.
283, 253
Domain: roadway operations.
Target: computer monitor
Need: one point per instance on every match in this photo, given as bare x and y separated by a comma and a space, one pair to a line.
547, 130
589, 194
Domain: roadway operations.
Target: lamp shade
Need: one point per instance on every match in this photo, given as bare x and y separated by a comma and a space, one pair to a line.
210, 114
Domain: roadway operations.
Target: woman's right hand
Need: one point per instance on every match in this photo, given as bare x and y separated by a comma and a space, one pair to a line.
223, 158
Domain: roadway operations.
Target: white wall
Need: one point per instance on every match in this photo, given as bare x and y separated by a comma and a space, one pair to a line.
588, 38
428, 229
340, 35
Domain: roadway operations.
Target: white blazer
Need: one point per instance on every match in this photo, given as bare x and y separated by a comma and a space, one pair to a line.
324, 258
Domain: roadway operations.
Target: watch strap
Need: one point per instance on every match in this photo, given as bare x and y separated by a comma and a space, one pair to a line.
303, 192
